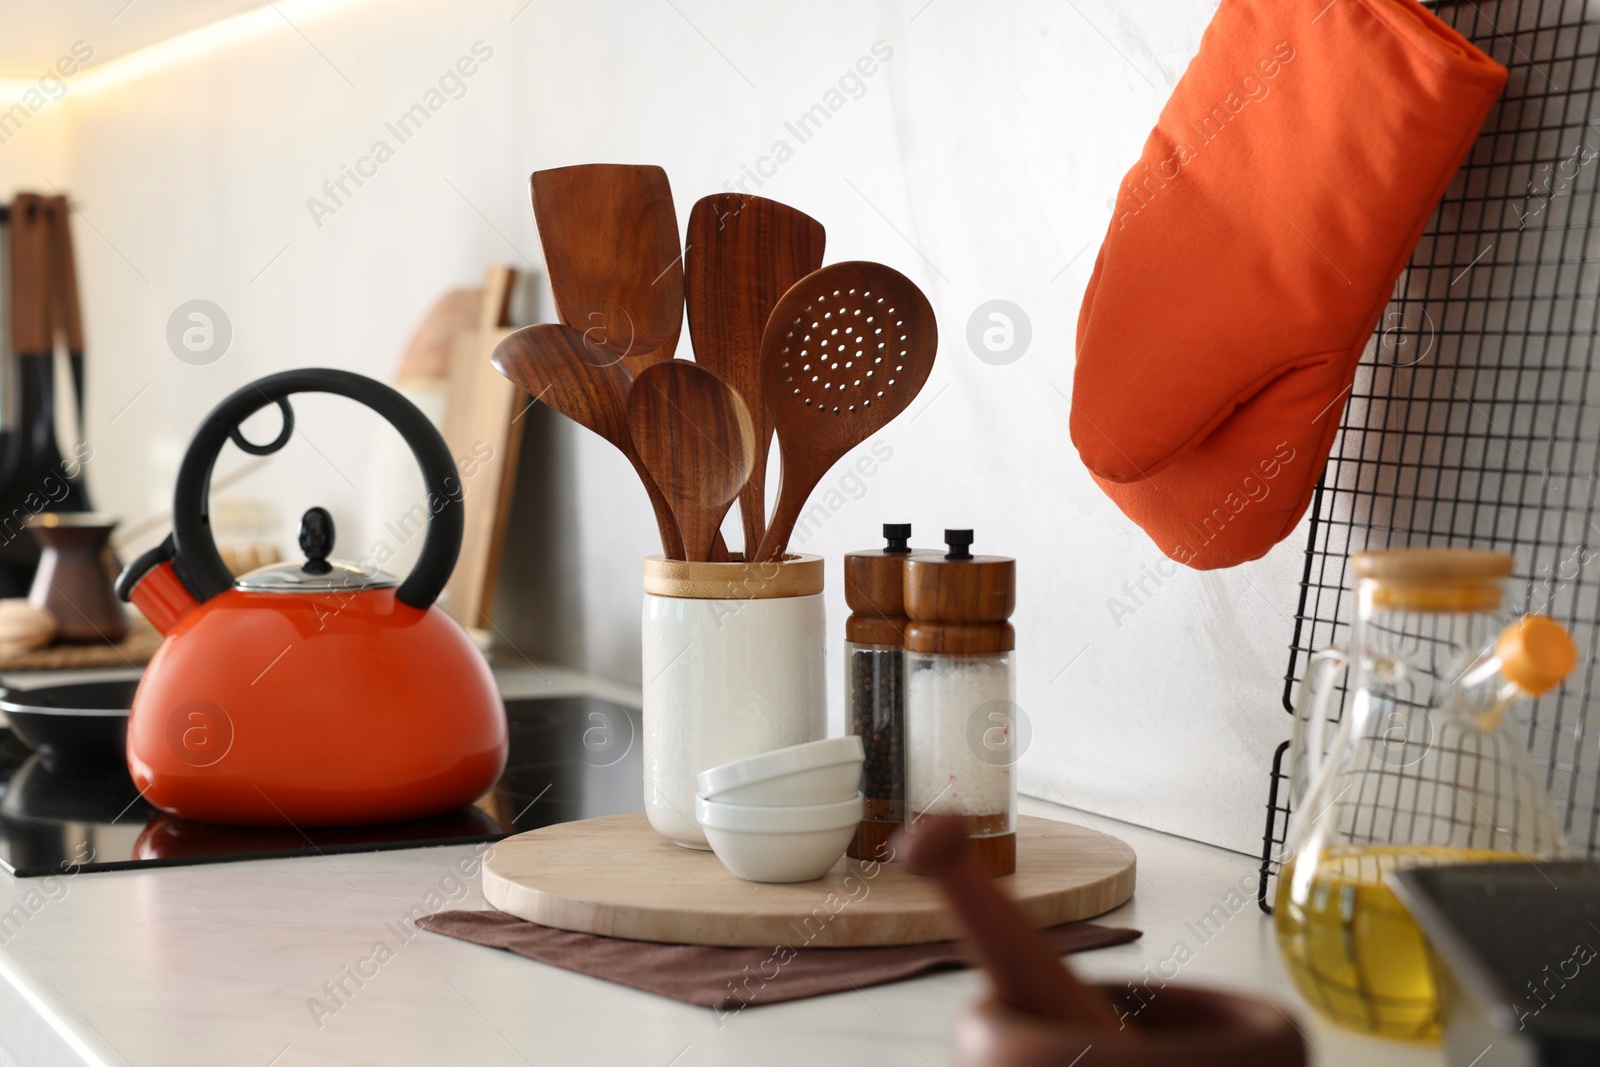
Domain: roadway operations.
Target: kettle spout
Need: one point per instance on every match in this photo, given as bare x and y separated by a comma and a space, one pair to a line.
153, 586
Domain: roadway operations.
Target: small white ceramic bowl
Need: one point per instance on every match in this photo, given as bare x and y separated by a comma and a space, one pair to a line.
820, 772
768, 844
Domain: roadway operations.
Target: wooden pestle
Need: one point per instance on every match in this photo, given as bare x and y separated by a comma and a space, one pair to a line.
1027, 977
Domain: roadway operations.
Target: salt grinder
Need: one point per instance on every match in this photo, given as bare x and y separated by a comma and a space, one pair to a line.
874, 653
961, 695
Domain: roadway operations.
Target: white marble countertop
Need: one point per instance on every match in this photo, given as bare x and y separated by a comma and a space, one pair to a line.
222, 964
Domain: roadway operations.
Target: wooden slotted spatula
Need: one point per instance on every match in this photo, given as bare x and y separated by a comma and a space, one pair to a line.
589, 386
610, 237
693, 434
741, 255
846, 350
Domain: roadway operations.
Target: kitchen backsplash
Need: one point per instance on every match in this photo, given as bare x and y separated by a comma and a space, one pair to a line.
1153, 693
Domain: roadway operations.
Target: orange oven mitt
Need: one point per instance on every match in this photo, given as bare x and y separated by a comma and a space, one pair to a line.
1253, 248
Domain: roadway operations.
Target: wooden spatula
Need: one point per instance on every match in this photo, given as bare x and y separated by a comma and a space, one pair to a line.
610, 237
846, 350
694, 435
741, 255
590, 387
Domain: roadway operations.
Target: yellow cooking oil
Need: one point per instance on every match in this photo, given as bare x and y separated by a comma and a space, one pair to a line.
1351, 948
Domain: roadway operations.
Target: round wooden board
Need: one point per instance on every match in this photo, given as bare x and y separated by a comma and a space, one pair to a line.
618, 877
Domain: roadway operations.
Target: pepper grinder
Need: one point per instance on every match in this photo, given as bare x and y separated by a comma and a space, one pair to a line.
961, 695
874, 653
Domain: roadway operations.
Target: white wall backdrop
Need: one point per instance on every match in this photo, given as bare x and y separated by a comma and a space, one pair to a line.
978, 157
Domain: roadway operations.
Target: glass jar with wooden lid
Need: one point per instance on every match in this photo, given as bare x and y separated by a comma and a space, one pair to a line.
1423, 768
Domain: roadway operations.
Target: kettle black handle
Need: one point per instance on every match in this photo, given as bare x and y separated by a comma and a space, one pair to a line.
195, 556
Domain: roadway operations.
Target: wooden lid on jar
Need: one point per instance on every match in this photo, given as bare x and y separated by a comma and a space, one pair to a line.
958, 587
954, 639
874, 578
1431, 564
1434, 579
864, 629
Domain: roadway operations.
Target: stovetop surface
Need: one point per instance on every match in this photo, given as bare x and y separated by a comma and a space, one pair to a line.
571, 758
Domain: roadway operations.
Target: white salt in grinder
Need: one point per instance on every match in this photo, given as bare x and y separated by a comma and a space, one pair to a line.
961, 695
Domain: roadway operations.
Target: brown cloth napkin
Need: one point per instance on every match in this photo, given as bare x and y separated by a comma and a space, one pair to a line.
729, 979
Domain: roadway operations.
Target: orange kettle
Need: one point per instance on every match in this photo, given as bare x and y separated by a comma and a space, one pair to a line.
317, 693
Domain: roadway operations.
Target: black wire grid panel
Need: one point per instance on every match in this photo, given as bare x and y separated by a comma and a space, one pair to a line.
1474, 419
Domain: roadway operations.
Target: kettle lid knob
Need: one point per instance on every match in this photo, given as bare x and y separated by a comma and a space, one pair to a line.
316, 540
318, 574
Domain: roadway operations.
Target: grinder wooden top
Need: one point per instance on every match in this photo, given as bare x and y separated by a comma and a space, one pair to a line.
874, 583
982, 589
617, 877
875, 578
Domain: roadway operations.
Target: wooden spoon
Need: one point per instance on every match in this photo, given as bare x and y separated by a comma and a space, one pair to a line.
590, 387
695, 437
610, 237
741, 255
846, 350
1027, 976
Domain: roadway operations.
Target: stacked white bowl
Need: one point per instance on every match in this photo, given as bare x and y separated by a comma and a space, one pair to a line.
785, 815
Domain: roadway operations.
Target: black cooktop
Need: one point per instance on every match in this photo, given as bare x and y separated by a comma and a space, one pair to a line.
571, 758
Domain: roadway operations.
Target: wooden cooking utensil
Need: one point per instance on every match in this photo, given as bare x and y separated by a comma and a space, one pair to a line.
741, 255
590, 387
69, 314
610, 237
845, 351
694, 435
1026, 976
43, 310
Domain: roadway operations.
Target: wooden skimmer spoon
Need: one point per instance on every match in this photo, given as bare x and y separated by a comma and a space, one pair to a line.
610, 237
741, 255
589, 386
846, 350
695, 437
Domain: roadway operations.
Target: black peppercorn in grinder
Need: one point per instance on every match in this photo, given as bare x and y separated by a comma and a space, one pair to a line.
874, 685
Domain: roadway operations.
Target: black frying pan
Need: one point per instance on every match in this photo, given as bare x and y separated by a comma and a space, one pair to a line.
86, 720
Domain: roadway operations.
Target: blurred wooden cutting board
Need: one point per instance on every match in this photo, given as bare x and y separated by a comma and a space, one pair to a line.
484, 433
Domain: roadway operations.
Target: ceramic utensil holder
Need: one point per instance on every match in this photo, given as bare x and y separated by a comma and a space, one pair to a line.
733, 667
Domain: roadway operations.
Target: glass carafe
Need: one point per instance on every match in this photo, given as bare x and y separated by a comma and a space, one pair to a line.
1421, 770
